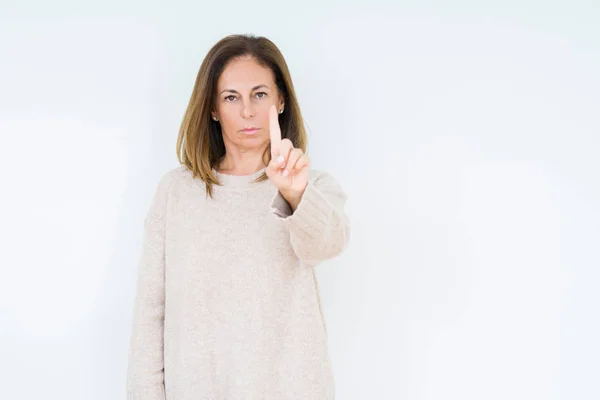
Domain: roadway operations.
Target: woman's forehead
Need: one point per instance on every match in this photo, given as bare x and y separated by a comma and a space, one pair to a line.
245, 74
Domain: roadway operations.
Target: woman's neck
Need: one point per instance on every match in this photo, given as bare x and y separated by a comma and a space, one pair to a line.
245, 163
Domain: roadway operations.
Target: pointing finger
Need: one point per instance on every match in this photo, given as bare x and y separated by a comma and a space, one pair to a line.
274, 131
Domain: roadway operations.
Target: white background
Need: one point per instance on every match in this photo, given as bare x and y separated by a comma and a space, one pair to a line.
467, 136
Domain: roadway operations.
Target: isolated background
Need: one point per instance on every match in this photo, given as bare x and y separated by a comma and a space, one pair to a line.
467, 136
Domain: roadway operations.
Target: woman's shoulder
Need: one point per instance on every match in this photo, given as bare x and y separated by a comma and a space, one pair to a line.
324, 180
173, 177
174, 174
320, 176
181, 172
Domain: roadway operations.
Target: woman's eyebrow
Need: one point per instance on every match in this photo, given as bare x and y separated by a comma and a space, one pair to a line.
253, 89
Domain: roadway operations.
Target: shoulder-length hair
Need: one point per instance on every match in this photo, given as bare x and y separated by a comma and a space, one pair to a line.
200, 144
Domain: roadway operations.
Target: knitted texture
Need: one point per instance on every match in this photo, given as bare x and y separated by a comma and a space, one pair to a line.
227, 302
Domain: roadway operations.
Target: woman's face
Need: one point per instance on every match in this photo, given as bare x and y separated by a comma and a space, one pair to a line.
245, 91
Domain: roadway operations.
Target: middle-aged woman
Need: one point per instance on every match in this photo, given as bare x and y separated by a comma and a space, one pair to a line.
227, 303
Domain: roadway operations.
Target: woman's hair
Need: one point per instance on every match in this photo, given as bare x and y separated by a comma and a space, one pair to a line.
200, 144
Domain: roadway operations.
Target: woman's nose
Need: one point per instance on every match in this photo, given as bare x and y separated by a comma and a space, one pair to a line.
247, 110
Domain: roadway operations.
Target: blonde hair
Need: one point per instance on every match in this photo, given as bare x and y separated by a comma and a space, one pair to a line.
200, 144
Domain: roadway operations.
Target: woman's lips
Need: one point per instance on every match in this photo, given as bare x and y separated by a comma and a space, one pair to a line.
249, 131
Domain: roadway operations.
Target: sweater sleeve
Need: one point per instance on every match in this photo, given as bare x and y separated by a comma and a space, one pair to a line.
319, 227
145, 375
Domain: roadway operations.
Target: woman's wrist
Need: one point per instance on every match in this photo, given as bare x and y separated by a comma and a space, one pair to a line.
293, 198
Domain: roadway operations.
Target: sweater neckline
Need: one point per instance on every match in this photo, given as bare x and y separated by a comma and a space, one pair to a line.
239, 181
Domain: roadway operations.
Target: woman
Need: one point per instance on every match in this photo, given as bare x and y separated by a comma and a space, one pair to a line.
227, 303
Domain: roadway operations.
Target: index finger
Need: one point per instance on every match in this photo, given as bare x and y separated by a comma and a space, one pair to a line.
274, 132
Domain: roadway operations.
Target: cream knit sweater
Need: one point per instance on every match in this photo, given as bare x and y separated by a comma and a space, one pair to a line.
227, 303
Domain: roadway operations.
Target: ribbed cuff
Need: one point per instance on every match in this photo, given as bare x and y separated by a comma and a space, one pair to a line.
311, 216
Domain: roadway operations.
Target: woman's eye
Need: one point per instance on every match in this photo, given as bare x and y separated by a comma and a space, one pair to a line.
230, 98
260, 95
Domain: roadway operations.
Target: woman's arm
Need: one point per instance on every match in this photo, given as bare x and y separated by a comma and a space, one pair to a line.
319, 228
145, 376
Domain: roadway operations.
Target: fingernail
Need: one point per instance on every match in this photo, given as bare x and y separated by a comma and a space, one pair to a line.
285, 173
280, 160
